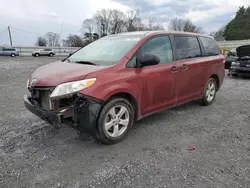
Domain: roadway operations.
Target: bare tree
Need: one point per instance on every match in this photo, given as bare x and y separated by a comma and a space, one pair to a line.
153, 25
103, 18
41, 41
219, 35
178, 24
74, 41
117, 21
88, 25
133, 20
90, 37
52, 39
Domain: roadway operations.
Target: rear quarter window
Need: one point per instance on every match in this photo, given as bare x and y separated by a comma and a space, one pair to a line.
187, 47
210, 46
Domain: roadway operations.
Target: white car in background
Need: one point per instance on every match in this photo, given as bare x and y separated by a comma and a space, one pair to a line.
43, 52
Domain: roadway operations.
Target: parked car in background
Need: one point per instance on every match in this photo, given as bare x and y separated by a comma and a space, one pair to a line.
106, 86
8, 52
43, 52
241, 66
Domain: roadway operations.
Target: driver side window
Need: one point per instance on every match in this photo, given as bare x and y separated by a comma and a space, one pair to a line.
160, 46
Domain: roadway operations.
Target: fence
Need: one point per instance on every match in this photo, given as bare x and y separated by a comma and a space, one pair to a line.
233, 44
226, 46
64, 51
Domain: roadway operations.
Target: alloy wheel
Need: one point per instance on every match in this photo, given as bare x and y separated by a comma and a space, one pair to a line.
116, 121
210, 92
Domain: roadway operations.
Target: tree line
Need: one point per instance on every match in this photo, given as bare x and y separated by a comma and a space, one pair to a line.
237, 29
112, 21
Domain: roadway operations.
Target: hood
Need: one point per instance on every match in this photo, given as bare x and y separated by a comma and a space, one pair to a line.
243, 51
60, 72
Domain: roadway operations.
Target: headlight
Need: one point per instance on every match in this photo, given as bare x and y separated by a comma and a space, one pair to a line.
235, 64
72, 87
28, 83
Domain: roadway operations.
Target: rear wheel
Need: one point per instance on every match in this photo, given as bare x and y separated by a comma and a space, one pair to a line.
114, 121
210, 92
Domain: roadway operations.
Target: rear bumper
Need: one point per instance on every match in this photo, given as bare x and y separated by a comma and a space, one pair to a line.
51, 117
240, 71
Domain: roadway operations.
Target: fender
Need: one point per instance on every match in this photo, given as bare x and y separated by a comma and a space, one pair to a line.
104, 92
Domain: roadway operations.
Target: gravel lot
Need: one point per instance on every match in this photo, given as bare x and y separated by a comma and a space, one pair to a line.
34, 154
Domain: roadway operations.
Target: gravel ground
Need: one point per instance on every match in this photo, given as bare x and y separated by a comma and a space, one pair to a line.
34, 154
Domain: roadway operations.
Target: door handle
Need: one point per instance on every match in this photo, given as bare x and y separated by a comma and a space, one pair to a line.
184, 66
174, 69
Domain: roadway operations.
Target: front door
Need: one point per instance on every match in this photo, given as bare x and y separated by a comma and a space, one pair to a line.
43, 52
191, 73
158, 80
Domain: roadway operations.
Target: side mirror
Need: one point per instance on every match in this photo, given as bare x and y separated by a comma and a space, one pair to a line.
70, 54
148, 60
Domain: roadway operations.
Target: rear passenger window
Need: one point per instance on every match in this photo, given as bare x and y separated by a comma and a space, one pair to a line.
160, 46
187, 47
210, 47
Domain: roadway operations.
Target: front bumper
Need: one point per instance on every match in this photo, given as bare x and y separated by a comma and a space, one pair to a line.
83, 114
240, 71
51, 117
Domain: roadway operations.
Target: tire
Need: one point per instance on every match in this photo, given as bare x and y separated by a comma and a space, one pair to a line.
37, 55
51, 54
209, 92
12, 55
109, 131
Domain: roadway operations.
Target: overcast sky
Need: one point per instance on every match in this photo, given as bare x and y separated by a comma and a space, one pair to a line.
40, 16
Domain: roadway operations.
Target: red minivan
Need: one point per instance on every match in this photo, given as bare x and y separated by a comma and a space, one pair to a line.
105, 87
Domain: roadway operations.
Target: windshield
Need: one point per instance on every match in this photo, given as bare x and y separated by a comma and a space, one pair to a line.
106, 51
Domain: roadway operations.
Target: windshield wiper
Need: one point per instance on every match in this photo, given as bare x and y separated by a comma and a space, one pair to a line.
67, 59
86, 62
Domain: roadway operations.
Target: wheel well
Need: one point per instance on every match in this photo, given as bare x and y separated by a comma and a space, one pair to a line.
216, 79
131, 99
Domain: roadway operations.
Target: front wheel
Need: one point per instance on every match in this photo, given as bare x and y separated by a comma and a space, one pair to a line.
13, 55
210, 92
51, 54
115, 120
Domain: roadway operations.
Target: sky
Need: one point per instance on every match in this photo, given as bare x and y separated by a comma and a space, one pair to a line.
65, 17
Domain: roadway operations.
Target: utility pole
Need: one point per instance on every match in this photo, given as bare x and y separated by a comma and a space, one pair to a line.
10, 35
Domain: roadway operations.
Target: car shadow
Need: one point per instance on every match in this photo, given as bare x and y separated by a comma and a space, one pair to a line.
146, 122
164, 115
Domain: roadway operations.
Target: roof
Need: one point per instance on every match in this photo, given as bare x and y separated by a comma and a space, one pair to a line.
145, 33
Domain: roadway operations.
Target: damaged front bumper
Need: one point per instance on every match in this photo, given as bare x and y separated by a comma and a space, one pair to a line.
240, 71
52, 117
82, 114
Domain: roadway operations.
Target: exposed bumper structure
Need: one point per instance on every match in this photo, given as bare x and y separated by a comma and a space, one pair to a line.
83, 114
51, 117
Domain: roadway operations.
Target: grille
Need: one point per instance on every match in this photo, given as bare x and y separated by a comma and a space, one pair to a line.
40, 97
